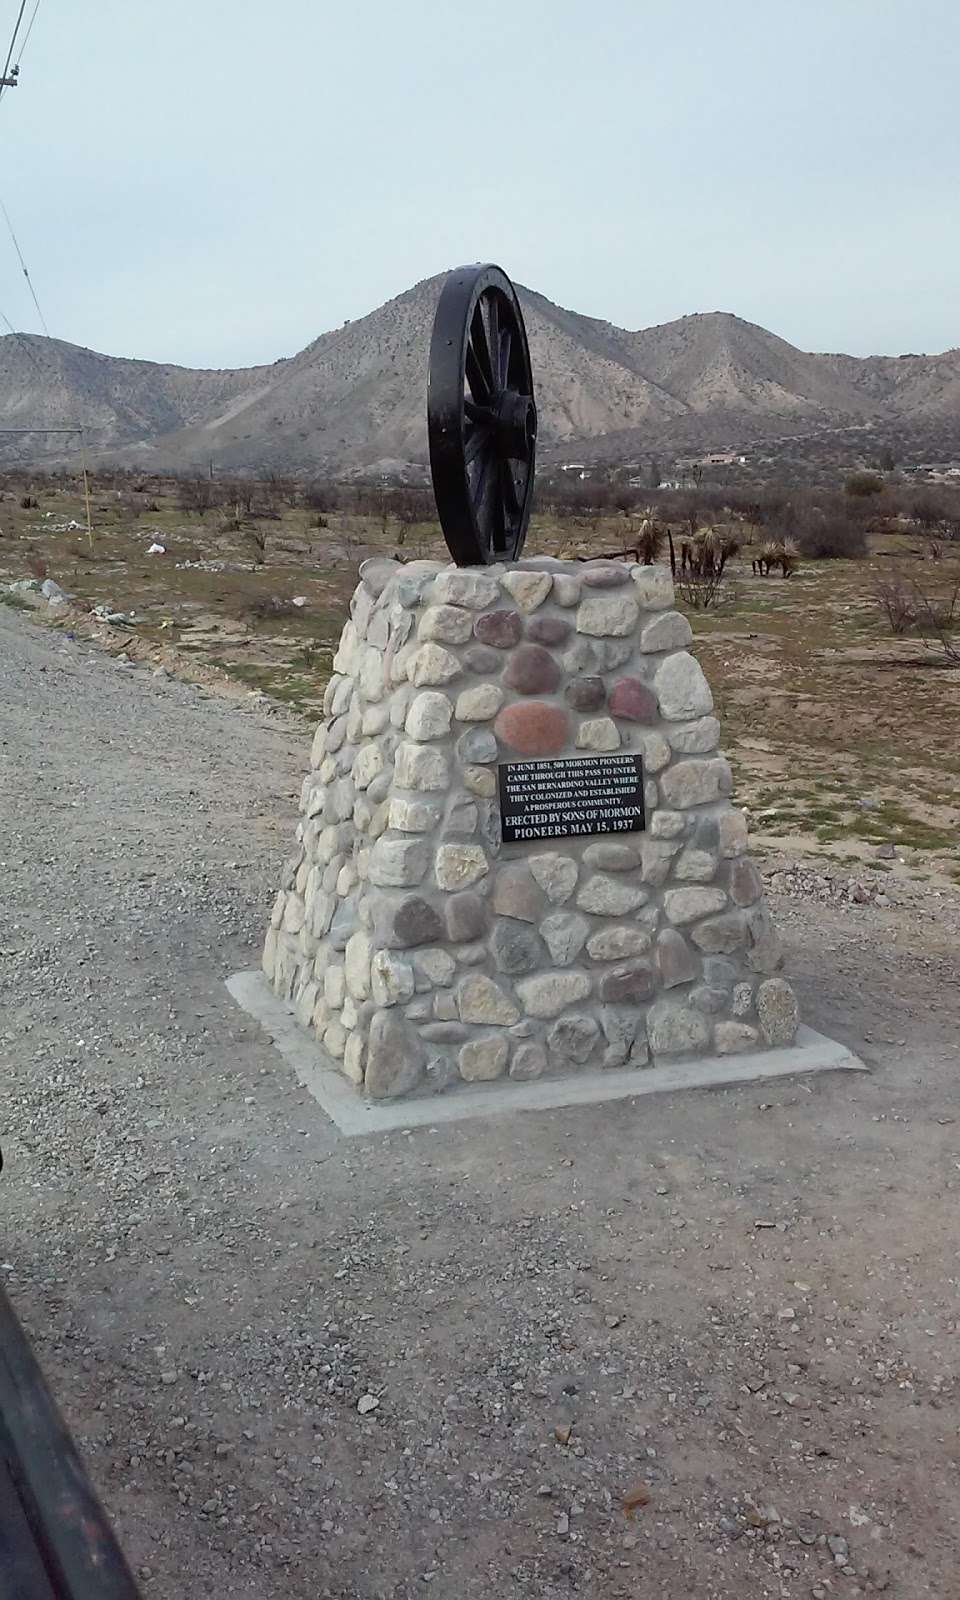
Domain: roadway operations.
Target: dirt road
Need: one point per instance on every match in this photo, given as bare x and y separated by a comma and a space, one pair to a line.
738, 1308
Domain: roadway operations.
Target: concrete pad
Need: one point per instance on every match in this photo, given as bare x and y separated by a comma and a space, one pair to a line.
352, 1114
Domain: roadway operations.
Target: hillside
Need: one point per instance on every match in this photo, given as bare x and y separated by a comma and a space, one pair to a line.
355, 396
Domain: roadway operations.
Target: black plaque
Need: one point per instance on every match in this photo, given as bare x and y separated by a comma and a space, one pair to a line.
557, 799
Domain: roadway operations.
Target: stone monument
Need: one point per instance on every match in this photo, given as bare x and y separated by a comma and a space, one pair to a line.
517, 852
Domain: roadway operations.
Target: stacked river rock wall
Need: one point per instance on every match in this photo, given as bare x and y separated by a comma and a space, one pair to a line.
425, 952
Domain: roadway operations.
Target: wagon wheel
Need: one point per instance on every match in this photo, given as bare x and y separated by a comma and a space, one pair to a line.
481, 417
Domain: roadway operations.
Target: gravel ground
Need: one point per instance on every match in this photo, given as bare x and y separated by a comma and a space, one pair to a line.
700, 1345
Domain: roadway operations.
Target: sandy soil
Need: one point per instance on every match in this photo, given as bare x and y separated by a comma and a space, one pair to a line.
702, 1344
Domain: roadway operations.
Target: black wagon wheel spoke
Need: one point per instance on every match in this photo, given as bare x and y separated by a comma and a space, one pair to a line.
506, 345
475, 440
481, 417
477, 375
510, 496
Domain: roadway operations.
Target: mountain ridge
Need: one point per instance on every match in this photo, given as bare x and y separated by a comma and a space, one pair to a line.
355, 395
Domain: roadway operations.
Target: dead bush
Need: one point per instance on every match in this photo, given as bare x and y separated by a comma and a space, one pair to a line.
938, 620
198, 495
270, 608
896, 603
699, 590
826, 532
323, 497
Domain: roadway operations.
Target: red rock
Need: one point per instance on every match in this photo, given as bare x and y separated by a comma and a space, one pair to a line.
533, 728
548, 630
630, 698
499, 628
532, 670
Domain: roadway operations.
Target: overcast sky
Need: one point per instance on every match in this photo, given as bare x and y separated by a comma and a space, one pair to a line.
215, 182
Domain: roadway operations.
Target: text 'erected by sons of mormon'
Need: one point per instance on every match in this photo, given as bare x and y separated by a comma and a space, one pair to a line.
584, 794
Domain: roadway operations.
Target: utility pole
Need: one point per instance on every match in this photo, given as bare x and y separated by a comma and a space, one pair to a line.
11, 82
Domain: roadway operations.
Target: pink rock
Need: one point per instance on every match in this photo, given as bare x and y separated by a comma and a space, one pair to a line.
630, 698
533, 728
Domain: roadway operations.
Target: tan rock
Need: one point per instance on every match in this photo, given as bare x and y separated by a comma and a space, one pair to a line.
483, 1059
457, 866
429, 715
599, 733
528, 589
689, 905
480, 1000
480, 703
475, 590
448, 624
419, 767
731, 1037
548, 993
608, 615
556, 874
431, 663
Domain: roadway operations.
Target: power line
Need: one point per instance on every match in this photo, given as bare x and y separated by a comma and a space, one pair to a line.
5, 79
33, 292
33, 18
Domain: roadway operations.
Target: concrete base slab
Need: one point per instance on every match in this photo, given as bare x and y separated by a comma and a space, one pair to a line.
352, 1114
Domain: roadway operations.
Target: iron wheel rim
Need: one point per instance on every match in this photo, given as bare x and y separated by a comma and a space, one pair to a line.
481, 417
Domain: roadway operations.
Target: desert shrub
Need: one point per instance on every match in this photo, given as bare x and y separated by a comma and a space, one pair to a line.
258, 539
280, 488
708, 552
699, 589
927, 509
896, 602
829, 531
28, 502
198, 495
935, 620
37, 567
773, 554
274, 606
862, 484
939, 618
650, 541
323, 497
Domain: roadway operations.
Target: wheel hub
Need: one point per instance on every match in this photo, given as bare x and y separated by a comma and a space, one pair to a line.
515, 426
